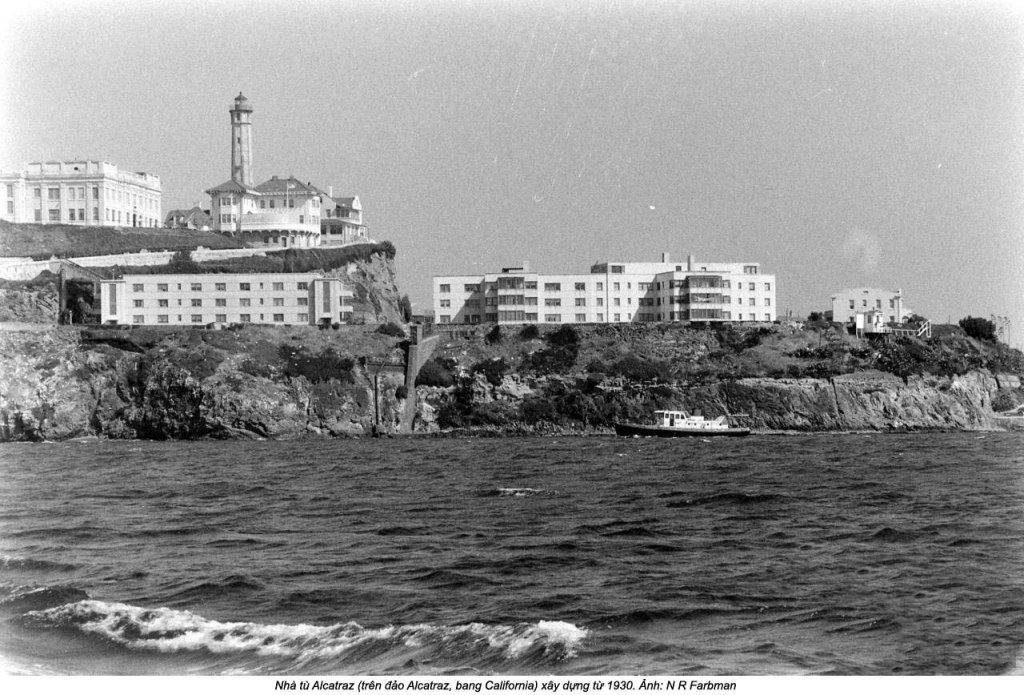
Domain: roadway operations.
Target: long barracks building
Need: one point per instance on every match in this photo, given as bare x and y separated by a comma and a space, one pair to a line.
613, 292
199, 299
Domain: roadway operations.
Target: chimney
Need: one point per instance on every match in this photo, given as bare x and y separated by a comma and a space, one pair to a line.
664, 257
691, 262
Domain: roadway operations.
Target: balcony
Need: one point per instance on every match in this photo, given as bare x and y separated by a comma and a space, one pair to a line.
289, 221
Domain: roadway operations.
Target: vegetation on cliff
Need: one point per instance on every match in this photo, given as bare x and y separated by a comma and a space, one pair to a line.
42, 241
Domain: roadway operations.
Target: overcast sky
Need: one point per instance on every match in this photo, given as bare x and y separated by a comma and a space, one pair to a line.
838, 144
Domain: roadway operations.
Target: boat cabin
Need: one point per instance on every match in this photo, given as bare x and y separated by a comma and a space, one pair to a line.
682, 419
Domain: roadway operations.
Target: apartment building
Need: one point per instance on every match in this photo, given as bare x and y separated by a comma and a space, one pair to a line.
196, 299
80, 192
860, 300
613, 292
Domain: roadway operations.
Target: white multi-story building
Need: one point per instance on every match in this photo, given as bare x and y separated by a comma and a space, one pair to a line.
888, 303
279, 211
86, 193
613, 292
200, 299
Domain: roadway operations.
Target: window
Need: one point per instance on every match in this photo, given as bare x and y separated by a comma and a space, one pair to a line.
618, 269
552, 302
272, 204
445, 303
279, 318
196, 287
863, 302
197, 302
751, 286
581, 301
277, 286
616, 302
600, 301
304, 318
10, 207
245, 301
600, 287
95, 214
137, 318
54, 215
445, 318
244, 286
753, 301
617, 317
197, 318
303, 286
162, 303
10, 190
37, 192
531, 284
616, 286
552, 287
245, 318
851, 304
471, 288
220, 302
39, 215
263, 203
892, 303
600, 317
767, 302
878, 303
137, 303
753, 317
581, 286
161, 287
767, 287
161, 318
138, 287
220, 286
278, 301
553, 318
303, 301
581, 318
750, 270
767, 317
95, 192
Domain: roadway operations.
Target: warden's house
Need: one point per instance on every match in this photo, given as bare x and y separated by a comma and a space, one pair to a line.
80, 192
199, 299
613, 292
279, 211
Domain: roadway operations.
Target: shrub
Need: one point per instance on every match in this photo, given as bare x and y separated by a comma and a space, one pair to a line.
317, 368
493, 336
564, 336
529, 332
979, 328
401, 393
434, 373
391, 329
493, 370
637, 369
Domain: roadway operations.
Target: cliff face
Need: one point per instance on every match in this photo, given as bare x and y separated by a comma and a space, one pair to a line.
873, 401
278, 383
60, 383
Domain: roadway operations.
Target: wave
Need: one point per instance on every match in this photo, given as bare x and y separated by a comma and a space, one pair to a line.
21, 599
515, 492
166, 630
27, 563
726, 498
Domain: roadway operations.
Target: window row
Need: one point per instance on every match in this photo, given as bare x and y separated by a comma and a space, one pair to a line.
218, 318
218, 286
243, 301
504, 283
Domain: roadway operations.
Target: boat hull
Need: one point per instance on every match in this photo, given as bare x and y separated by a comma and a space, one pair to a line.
631, 430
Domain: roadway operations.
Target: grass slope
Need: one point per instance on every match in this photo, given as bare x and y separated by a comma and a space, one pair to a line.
41, 241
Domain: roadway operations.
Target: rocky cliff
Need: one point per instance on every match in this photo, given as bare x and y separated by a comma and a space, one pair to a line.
60, 383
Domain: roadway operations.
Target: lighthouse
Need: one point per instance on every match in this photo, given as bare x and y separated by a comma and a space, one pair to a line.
241, 141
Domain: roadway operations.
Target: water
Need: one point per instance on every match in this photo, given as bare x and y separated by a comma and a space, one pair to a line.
848, 554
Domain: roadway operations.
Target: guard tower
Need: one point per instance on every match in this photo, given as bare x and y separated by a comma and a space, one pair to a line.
241, 141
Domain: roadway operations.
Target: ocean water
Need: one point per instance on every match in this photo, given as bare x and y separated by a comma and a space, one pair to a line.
820, 554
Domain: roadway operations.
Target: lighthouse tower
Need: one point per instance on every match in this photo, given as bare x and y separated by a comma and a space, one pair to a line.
241, 141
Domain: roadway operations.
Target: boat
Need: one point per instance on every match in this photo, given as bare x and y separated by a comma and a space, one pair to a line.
679, 423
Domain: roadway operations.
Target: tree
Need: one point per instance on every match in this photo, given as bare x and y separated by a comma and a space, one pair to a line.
493, 336
405, 306
979, 328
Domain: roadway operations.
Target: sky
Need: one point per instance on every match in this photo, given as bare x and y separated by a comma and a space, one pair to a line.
840, 145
